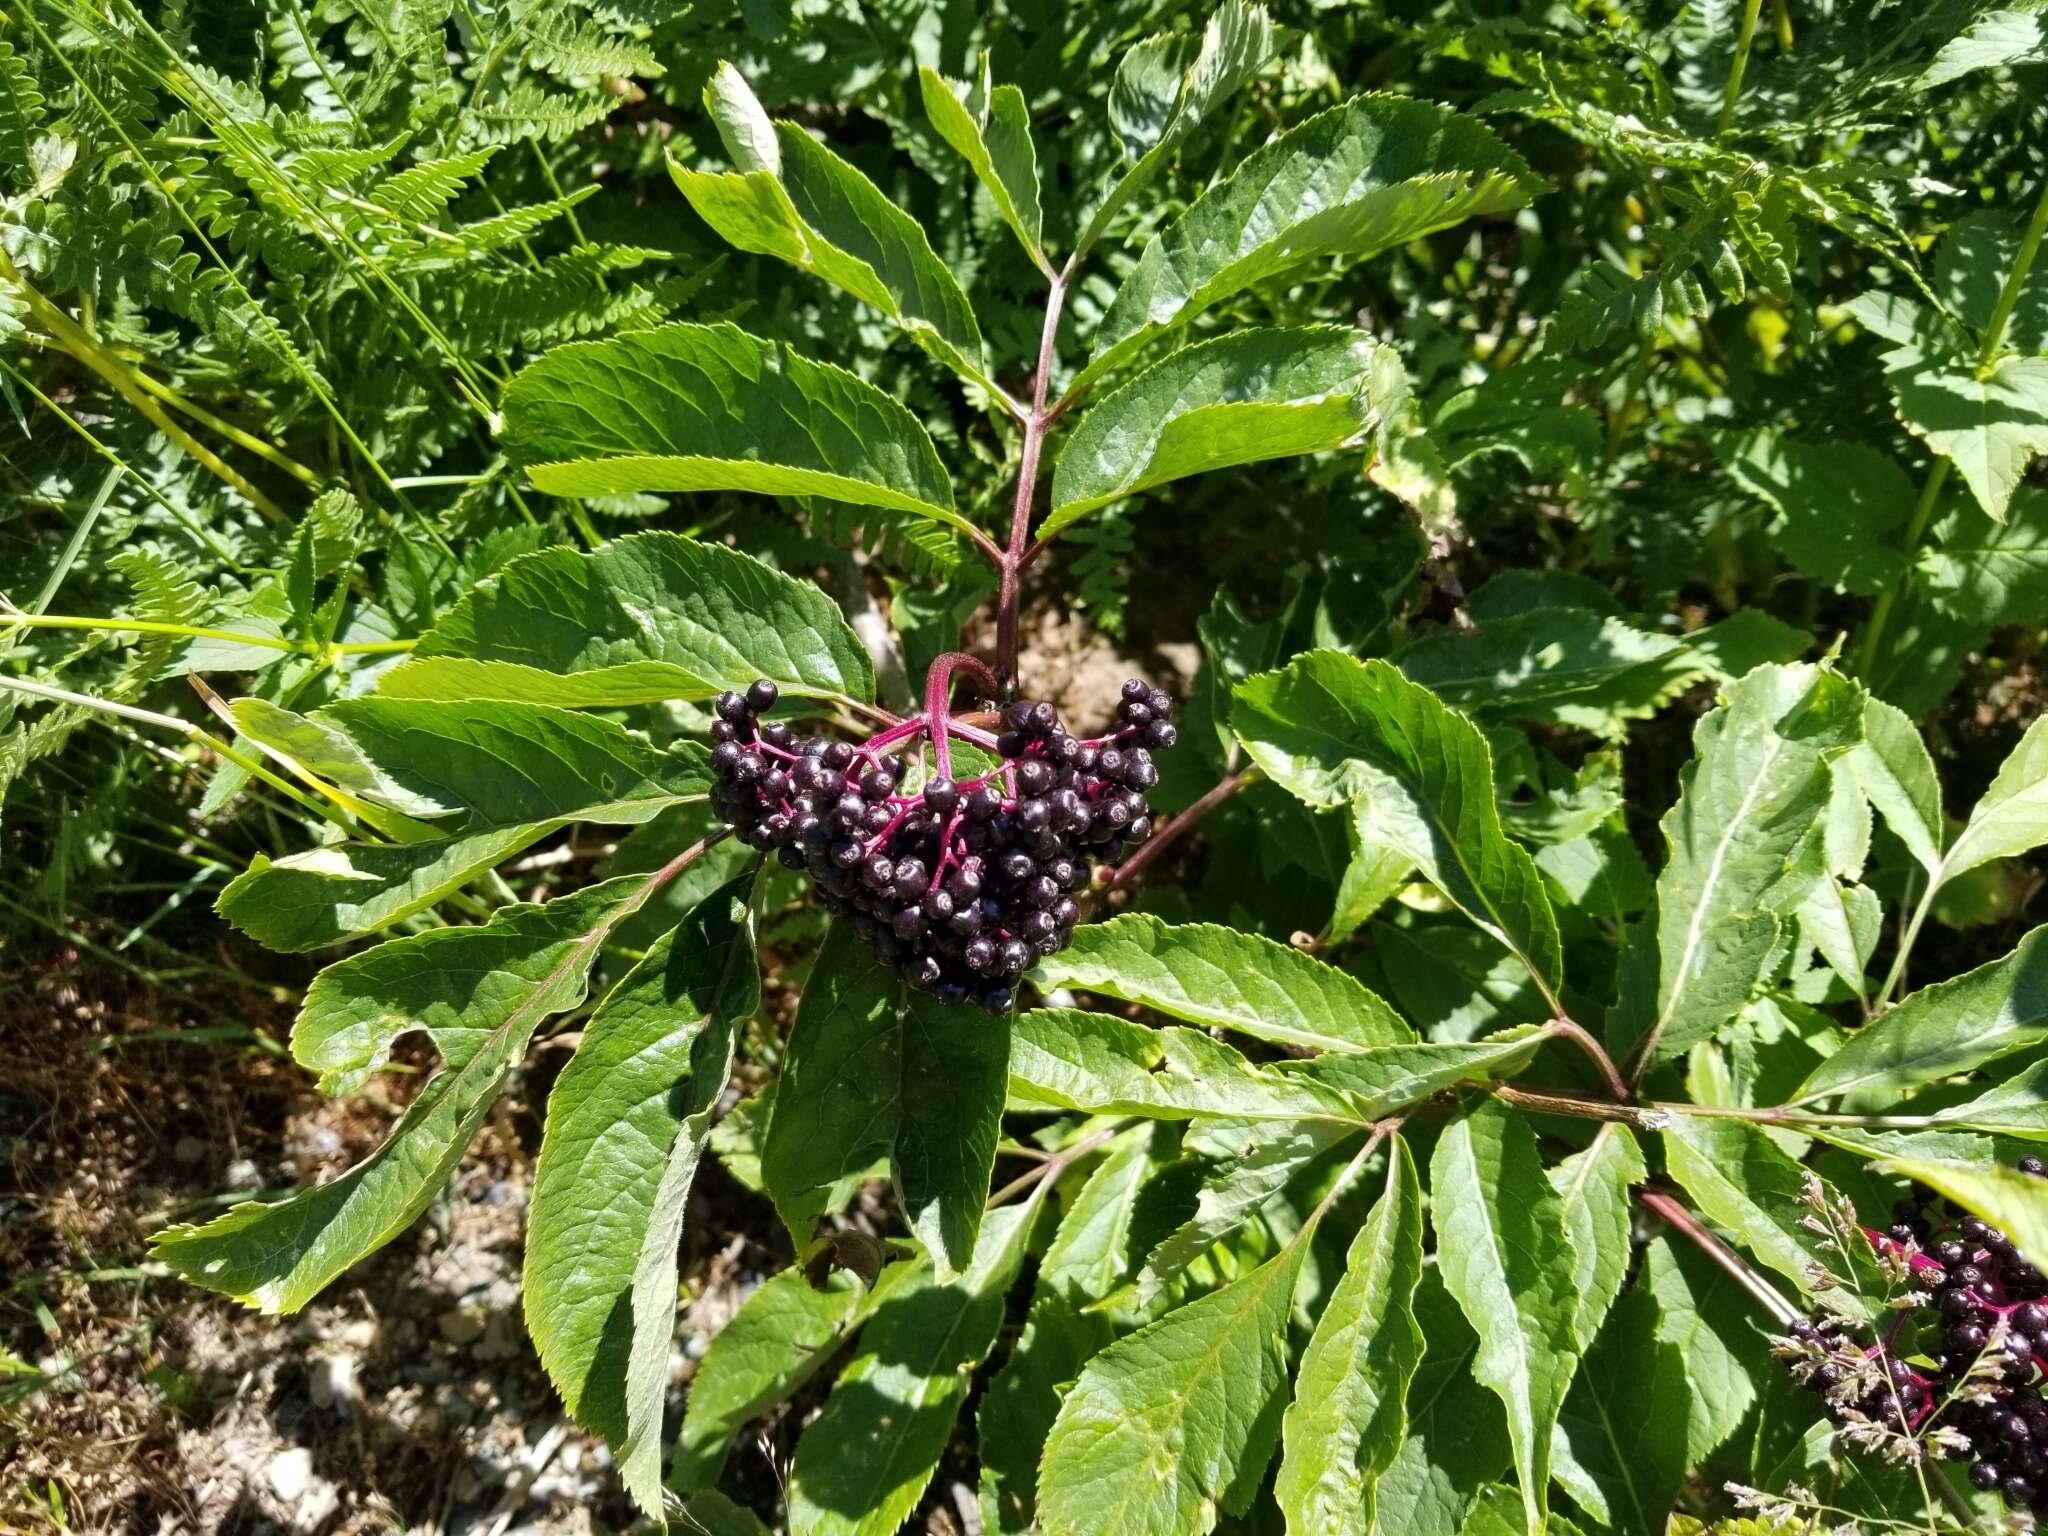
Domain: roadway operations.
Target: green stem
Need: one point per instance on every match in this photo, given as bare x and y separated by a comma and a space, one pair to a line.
249, 765
1743, 41
1937, 477
200, 632
266, 451
79, 343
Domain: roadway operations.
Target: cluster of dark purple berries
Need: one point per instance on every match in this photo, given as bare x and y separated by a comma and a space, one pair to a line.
962, 883
1976, 1387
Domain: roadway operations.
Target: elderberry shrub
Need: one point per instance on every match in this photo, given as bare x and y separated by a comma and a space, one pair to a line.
1963, 1371
964, 883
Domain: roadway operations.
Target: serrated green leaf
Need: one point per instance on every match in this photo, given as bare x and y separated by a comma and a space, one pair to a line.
813, 210
1239, 399
1333, 729
1173, 1425
1982, 571
711, 408
1457, 1437
838, 1099
2014, 1202
456, 984
1992, 41
955, 1062
1223, 978
646, 618
278, 1257
626, 1124
1154, 104
1950, 1027
1835, 501
863, 1463
1384, 1080
1991, 423
2012, 817
1348, 1418
1896, 774
2016, 1107
783, 1334
990, 127
1356, 180
1757, 784
1624, 1424
1711, 1322
1100, 1064
1503, 1253
1744, 1183
1593, 1191
1082, 1265
327, 895
1976, 257
1569, 666
1249, 1163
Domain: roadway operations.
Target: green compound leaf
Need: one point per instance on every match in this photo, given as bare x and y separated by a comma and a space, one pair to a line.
1156, 100
1242, 398
2016, 1107
1593, 1189
1349, 1417
1503, 1253
645, 619
782, 1336
626, 1125
1836, 503
1084, 1263
1168, 1428
1384, 1080
1357, 180
870, 1073
2010, 1200
1333, 729
1948, 1028
1990, 423
1895, 771
2012, 818
711, 408
480, 993
991, 130
795, 200
1097, 1063
1457, 1437
864, 1462
1624, 1426
1758, 782
956, 1062
1745, 1184
1711, 1321
1223, 978
838, 1098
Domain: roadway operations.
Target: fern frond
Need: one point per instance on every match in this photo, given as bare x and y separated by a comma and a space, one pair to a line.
530, 111
21, 114
423, 192
899, 540
1102, 568
165, 593
569, 46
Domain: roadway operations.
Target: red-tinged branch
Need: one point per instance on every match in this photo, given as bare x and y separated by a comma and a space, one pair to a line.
1679, 1219
1176, 825
1570, 1030
938, 693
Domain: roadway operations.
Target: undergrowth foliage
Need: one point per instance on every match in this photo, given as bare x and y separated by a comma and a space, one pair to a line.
1570, 476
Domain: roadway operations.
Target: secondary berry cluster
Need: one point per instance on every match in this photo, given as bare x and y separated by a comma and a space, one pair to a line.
961, 883
1962, 1367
